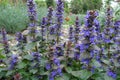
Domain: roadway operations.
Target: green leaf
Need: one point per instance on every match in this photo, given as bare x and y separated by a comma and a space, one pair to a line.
30, 46
106, 62
96, 63
1, 69
63, 77
66, 77
2, 56
98, 76
83, 74
28, 57
9, 73
68, 69
33, 71
21, 65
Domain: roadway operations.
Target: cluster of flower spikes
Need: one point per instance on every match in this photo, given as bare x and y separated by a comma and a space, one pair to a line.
117, 32
108, 37
5, 41
59, 18
117, 40
108, 32
88, 42
53, 64
13, 61
115, 57
33, 19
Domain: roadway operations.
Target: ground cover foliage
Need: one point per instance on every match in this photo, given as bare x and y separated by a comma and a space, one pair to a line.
86, 52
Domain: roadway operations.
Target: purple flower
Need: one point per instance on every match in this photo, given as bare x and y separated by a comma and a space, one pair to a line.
56, 62
59, 71
52, 75
77, 52
5, 41
59, 50
48, 66
77, 56
83, 47
52, 29
1, 61
86, 61
20, 38
36, 56
117, 32
112, 74
93, 69
13, 61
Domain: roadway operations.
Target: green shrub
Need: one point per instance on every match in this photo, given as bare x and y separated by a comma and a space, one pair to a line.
41, 12
66, 7
40, 3
50, 3
3, 3
14, 19
81, 6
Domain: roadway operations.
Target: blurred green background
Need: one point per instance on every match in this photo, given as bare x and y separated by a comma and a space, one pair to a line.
13, 13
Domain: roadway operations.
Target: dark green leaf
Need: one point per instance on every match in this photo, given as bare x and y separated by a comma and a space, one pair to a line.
33, 71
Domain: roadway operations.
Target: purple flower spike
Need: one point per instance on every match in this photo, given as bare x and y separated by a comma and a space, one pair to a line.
77, 30
43, 27
59, 18
20, 38
50, 16
32, 12
71, 34
87, 49
13, 61
5, 41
